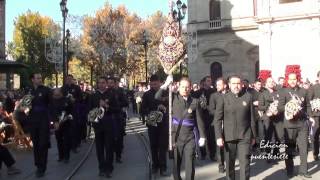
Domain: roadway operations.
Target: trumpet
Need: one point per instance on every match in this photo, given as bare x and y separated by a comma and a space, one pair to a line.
25, 103
64, 117
96, 114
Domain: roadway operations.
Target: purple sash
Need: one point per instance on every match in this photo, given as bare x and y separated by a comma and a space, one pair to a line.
188, 123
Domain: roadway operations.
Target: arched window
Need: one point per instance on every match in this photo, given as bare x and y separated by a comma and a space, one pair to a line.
215, 71
215, 10
257, 68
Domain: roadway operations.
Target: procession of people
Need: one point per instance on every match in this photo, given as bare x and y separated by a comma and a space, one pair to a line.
222, 120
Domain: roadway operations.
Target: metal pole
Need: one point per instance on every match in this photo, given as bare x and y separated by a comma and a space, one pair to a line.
91, 76
67, 59
146, 61
63, 49
179, 22
56, 79
170, 116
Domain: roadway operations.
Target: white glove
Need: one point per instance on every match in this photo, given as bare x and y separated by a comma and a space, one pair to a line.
2, 125
313, 122
169, 80
202, 142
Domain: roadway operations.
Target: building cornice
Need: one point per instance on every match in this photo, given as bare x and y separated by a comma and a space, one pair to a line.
286, 18
227, 29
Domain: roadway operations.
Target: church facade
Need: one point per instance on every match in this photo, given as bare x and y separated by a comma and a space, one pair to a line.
241, 37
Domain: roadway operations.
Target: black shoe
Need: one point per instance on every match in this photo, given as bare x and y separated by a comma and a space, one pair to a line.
108, 175
154, 170
221, 170
60, 160
118, 160
102, 174
66, 161
39, 173
163, 172
305, 175
75, 150
290, 175
13, 170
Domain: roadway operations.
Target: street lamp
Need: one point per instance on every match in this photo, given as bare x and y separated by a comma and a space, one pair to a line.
64, 10
178, 16
145, 44
67, 59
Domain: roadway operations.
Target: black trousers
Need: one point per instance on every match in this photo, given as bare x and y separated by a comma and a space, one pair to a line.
40, 137
187, 150
5, 157
104, 142
220, 157
63, 137
119, 125
158, 137
274, 133
211, 146
260, 124
316, 135
292, 137
75, 132
243, 148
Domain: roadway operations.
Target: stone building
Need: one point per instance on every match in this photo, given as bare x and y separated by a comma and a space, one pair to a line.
289, 34
8, 69
233, 36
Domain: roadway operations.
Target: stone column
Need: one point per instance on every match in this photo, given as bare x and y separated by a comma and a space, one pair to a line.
265, 51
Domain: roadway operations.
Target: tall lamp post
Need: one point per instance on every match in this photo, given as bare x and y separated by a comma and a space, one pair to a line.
145, 44
67, 59
179, 15
64, 10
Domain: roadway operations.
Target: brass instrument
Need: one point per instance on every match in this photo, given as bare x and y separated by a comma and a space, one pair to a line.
293, 107
96, 114
64, 117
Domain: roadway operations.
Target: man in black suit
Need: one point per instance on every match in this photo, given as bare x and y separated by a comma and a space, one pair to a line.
73, 92
295, 125
186, 114
235, 114
39, 123
103, 129
314, 93
157, 131
214, 101
204, 96
272, 121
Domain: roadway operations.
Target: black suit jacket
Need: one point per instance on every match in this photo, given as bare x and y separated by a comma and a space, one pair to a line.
179, 107
236, 114
299, 120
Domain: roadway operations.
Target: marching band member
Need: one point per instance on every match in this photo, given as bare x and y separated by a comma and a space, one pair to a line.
39, 123
294, 104
61, 110
73, 92
103, 128
157, 123
314, 112
272, 119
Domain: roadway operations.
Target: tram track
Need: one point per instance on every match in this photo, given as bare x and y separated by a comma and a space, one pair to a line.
141, 138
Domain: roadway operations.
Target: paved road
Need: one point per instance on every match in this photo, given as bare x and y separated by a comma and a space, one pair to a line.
135, 167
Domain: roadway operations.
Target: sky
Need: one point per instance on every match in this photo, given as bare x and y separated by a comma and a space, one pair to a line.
51, 8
